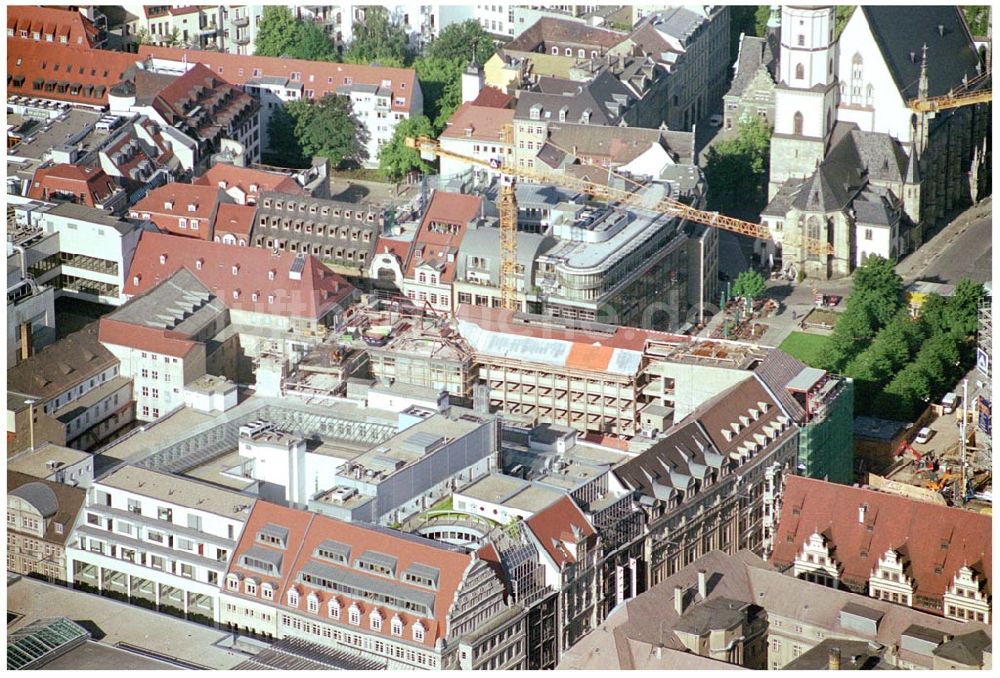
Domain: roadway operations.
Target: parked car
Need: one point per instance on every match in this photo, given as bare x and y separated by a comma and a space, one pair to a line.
923, 435
715, 120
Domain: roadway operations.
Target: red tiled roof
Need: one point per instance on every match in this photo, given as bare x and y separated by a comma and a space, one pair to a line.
445, 208
91, 182
236, 220
307, 530
321, 76
166, 342
244, 178
180, 198
492, 97
317, 292
484, 122
201, 100
91, 72
734, 403
555, 524
398, 248
69, 23
890, 522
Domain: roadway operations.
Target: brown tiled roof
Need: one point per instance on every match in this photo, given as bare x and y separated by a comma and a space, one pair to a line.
447, 208
321, 76
491, 97
936, 540
555, 524
485, 123
181, 197
727, 409
59, 366
59, 23
91, 182
306, 531
245, 177
551, 30
236, 220
317, 292
202, 101
165, 342
68, 500
39, 69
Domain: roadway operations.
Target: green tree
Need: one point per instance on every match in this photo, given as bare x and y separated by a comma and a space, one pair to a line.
736, 171
877, 286
441, 83
284, 148
749, 284
760, 18
963, 307
377, 40
281, 34
395, 159
841, 17
327, 127
977, 16
466, 41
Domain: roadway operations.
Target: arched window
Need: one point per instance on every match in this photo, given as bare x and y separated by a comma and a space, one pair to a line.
857, 66
293, 598
800, 72
333, 608
354, 614
797, 123
569, 51
375, 620
312, 603
813, 228
396, 626
418, 632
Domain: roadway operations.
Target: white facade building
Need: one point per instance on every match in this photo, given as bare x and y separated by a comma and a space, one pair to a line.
158, 537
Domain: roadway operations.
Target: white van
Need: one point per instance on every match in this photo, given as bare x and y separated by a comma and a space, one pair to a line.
948, 402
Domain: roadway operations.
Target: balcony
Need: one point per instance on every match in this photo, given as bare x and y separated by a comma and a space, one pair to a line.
241, 21
244, 40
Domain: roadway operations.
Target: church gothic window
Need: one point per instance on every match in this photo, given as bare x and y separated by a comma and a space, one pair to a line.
797, 123
800, 72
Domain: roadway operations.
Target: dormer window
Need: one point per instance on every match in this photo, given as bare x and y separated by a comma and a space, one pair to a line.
233, 581
253, 188
270, 274
418, 632
312, 603
163, 258
354, 615
375, 620
267, 591
333, 608
199, 264
193, 207
396, 626
250, 587
293, 597
254, 296
236, 269
270, 298
136, 279
168, 205
236, 294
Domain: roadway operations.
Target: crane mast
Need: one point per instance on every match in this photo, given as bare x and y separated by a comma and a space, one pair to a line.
508, 246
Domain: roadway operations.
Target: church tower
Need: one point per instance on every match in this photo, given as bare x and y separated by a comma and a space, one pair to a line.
806, 93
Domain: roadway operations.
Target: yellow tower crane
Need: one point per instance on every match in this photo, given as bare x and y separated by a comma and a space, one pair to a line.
430, 149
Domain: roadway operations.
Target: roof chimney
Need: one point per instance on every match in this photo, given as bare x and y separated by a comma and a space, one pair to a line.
833, 661
941, 29
702, 585
679, 600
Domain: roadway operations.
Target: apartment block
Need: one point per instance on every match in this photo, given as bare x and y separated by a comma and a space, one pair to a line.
41, 517
70, 393
158, 540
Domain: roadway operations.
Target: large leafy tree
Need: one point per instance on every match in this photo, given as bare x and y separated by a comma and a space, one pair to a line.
977, 16
284, 148
327, 127
396, 159
467, 41
281, 34
441, 83
378, 40
736, 171
749, 284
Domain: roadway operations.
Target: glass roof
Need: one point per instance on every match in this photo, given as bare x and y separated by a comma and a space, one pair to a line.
28, 647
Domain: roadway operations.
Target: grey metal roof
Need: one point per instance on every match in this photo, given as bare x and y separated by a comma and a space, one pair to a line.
775, 371
600, 97
677, 22
275, 531
753, 52
181, 303
804, 380
422, 442
900, 30
376, 558
266, 555
380, 589
872, 212
424, 571
40, 496
671, 462
337, 548
92, 215
712, 615
965, 649
484, 243
72, 360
